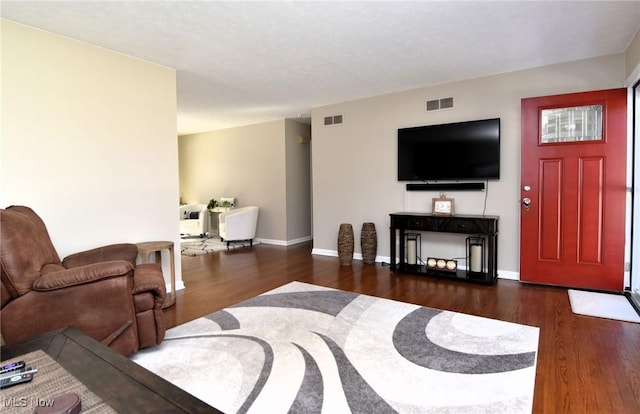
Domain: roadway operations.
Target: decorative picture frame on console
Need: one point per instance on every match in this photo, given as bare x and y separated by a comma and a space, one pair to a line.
443, 206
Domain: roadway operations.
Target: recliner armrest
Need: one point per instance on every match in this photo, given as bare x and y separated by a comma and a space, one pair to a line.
121, 251
148, 278
82, 275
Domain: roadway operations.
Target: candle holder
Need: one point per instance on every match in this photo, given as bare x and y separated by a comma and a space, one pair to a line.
413, 247
475, 257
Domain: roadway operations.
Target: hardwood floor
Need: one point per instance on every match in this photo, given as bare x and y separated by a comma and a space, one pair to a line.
585, 365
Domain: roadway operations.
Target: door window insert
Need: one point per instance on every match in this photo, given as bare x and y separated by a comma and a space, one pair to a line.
571, 124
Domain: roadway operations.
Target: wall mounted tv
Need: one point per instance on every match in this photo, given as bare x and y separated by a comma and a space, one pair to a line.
458, 151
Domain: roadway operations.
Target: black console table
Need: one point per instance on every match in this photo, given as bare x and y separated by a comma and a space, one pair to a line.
465, 224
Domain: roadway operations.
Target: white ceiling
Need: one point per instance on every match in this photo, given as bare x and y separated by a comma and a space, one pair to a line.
241, 63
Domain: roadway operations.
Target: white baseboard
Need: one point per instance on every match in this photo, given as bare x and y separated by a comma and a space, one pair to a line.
322, 252
356, 256
179, 286
286, 242
508, 274
502, 274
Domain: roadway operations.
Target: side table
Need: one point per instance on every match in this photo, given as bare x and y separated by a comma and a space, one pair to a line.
146, 248
213, 219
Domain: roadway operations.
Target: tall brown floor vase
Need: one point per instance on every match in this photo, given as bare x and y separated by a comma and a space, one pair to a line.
345, 244
369, 243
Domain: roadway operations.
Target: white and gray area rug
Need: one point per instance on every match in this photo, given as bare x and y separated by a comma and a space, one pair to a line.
302, 348
195, 246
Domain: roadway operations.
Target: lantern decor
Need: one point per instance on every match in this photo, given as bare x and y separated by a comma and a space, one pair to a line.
413, 247
475, 256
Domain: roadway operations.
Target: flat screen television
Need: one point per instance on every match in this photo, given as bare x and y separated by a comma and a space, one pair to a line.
457, 151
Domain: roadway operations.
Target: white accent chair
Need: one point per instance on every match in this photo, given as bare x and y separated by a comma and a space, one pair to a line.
194, 220
238, 224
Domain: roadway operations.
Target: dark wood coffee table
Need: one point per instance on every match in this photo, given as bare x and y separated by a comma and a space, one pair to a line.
121, 383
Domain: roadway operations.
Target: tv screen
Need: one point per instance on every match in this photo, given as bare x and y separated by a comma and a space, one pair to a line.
458, 151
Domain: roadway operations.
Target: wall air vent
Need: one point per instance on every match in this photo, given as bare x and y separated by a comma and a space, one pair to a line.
437, 104
446, 103
433, 105
332, 120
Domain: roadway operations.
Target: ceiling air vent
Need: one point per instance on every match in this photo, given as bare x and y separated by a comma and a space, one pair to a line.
437, 104
328, 120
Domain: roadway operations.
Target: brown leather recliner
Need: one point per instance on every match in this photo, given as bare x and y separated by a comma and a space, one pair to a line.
102, 291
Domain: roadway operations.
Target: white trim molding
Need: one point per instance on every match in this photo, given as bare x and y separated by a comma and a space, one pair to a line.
179, 286
502, 274
285, 242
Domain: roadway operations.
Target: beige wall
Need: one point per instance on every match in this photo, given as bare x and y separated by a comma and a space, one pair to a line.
88, 140
354, 163
632, 60
257, 164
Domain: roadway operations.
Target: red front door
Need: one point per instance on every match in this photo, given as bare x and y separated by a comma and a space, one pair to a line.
573, 189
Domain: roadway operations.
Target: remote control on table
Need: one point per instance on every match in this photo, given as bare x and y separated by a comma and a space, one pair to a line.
15, 380
29, 370
11, 367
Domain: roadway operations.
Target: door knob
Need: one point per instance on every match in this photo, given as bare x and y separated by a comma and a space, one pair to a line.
526, 202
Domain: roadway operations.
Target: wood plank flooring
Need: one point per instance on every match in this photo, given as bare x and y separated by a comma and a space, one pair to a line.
585, 365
